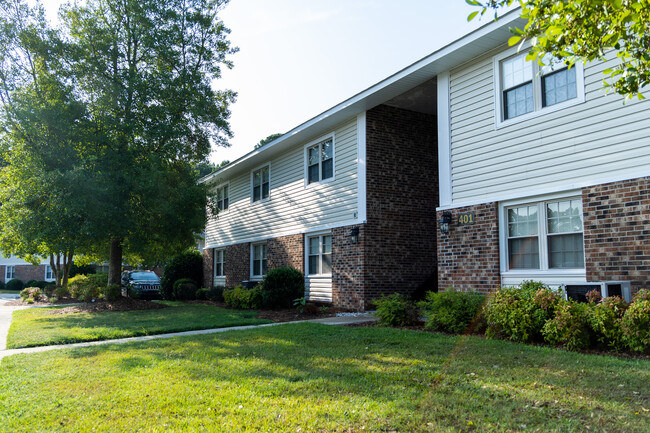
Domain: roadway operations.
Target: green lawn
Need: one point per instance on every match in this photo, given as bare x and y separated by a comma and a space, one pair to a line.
318, 378
34, 327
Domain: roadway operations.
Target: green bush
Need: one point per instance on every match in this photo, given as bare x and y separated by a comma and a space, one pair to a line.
636, 325
281, 286
202, 294
243, 298
451, 311
215, 294
87, 287
34, 293
2, 285
605, 320
641, 295
519, 313
99, 280
185, 265
395, 310
15, 284
81, 270
36, 283
184, 289
111, 292
569, 328
75, 285
60, 292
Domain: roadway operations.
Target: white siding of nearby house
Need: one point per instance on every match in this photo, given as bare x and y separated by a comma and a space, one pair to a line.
318, 289
598, 141
293, 207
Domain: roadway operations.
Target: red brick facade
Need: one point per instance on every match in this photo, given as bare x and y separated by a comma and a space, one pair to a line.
25, 273
238, 264
208, 267
349, 272
617, 232
468, 256
286, 251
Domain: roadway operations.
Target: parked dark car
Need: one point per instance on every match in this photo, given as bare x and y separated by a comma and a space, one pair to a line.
140, 284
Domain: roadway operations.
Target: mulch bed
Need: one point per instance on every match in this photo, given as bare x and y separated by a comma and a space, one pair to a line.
121, 304
284, 315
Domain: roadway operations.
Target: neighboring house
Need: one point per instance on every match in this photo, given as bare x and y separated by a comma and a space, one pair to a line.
15, 268
541, 174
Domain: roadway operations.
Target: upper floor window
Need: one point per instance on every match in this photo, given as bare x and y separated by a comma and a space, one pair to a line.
261, 183
258, 260
219, 262
222, 197
524, 87
320, 161
319, 255
546, 235
10, 273
49, 273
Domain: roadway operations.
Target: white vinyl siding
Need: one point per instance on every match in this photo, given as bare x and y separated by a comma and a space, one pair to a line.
291, 208
318, 267
600, 140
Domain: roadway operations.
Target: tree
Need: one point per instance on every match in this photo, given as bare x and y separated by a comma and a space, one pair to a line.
268, 139
584, 31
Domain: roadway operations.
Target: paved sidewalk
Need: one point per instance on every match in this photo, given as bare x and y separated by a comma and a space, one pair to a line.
5, 317
345, 320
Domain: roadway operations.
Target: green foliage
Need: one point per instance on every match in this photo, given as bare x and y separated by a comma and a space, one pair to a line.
184, 289
61, 292
300, 304
2, 285
85, 269
641, 295
15, 284
636, 324
451, 311
34, 293
202, 294
395, 310
569, 327
75, 285
519, 313
188, 264
36, 283
605, 321
584, 31
281, 286
243, 298
87, 287
268, 139
111, 292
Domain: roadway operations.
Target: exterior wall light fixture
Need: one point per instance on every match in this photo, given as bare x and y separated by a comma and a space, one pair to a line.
444, 222
354, 235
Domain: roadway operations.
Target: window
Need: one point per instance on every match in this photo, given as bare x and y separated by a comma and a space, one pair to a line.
261, 183
259, 260
222, 198
525, 87
10, 273
49, 274
320, 161
219, 262
319, 255
545, 236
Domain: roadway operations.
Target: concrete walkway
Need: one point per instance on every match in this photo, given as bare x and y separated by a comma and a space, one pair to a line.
5, 317
6, 312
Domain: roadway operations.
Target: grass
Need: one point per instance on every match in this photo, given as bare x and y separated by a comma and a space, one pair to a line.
12, 292
35, 327
318, 378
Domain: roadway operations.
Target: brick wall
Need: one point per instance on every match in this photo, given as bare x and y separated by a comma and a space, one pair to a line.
208, 267
286, 251
617, 232
402, 195
238, 262
29, 272
348, 268
468, 256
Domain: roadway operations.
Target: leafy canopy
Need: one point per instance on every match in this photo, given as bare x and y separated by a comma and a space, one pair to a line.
585, 30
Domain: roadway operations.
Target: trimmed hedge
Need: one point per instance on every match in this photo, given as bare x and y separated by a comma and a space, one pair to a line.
281, 286
395, 310
184, 289
185, 265
452, 311
15, 284
243, 298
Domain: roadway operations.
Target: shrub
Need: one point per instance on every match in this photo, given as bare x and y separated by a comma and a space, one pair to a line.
36, 283
243, 298
81, 270
593, 296
2, 285
54, 300
87, 287
15, 284
60, 292
99, 280
184, 289
605, 320
569, 327
641, 295
33, 293
281, 286
636, 325
185, 265
215, 294
111, 292
451, 311
75, 285
395, 310
519, 313
202, 294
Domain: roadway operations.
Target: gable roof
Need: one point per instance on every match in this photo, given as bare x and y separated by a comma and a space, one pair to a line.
461, 51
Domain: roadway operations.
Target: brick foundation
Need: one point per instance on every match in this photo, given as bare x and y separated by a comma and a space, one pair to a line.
468, 256
208, 267
238, 262
616, 232
348, 268
287, 251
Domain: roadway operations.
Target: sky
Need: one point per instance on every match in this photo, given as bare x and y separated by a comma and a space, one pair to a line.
298, 58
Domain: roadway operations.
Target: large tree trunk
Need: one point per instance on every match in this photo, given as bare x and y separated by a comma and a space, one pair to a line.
66, 269
115, 262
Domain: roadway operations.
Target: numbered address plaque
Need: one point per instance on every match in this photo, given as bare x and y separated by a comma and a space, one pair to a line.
465, 219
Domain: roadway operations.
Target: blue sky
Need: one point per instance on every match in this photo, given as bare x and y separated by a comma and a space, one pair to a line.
298, 58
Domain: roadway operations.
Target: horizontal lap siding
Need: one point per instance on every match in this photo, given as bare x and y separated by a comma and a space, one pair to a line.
588, 142
318, 289
292, 207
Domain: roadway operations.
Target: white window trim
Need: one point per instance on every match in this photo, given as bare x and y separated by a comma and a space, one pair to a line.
537, 90
254, 277
7, 272
318, 234
320, 165
546, 275
45, 278
227, 184
261, 200
218, 278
